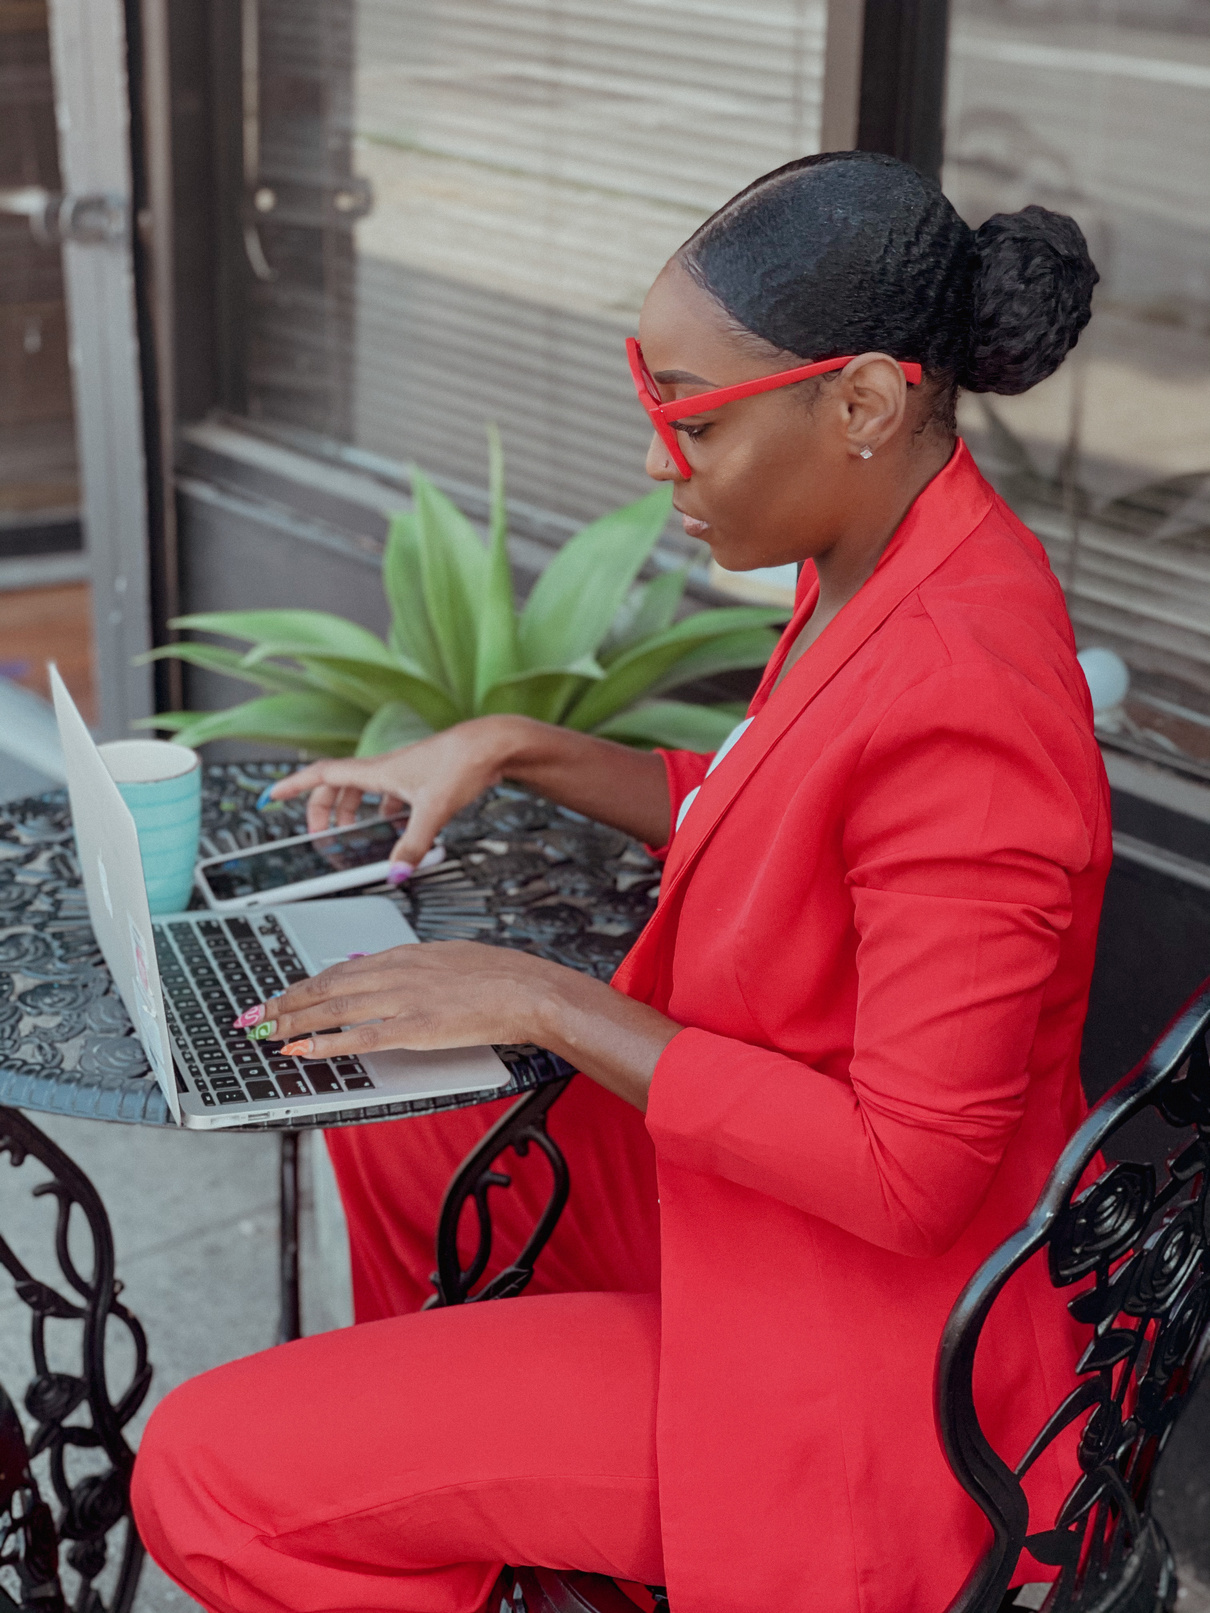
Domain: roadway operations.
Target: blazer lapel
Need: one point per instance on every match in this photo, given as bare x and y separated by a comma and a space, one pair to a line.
946, 512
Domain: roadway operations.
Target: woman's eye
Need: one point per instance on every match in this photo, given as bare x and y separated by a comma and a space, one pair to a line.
692, 432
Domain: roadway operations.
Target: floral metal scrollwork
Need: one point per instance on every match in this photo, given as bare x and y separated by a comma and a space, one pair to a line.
1137, 1252
76, 1422
524, 1125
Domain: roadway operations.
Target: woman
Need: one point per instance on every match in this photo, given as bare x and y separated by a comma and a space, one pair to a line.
843, 1055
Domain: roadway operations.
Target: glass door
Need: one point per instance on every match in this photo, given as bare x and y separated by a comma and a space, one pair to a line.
73, 495
45, 609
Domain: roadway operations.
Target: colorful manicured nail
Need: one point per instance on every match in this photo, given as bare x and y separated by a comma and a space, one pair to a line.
262, 1032
300, 1049
265, 796
352, 955
250, 1016
434, 856
398, 872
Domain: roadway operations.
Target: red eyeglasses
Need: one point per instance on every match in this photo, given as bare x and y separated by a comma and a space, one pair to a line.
664, 414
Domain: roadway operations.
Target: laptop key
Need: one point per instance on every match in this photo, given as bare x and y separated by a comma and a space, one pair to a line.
292, 1086
260, 1090
322, 1078
357, 1083
231, 1097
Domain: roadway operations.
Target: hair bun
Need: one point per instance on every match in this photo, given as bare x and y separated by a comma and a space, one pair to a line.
1032, 296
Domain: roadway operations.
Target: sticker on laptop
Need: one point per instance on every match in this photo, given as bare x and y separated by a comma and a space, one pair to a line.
142, 968
149, 1035
103, 876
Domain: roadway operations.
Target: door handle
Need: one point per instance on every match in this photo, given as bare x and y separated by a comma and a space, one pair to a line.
88, 220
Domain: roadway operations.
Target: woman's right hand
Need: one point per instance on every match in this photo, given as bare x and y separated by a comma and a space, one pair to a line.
434, 778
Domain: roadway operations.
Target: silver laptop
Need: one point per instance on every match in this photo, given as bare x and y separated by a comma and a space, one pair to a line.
184, 977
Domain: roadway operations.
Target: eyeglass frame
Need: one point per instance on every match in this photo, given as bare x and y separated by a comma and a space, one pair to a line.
664, 414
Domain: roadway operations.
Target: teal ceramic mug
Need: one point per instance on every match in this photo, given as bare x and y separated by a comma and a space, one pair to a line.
162, 786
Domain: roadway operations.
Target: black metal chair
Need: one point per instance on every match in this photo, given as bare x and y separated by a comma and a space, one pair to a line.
77, 1424
1138, 1248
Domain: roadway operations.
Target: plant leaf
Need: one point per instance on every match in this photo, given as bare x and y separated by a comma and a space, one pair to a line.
391, 726
636, 670
411, 633
313, 722
216, 658
650, 613
497, 649
544, 693
574, 601
453, 569
733, 653
675, 723
291, 632
372, 686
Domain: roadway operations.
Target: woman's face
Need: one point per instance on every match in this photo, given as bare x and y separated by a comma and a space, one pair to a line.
776, 477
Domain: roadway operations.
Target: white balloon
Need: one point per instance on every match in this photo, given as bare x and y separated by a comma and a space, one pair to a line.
1108, 677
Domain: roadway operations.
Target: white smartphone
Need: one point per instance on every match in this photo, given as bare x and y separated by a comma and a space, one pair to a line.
304, 865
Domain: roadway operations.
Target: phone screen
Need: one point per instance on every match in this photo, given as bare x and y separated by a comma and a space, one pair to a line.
332, 852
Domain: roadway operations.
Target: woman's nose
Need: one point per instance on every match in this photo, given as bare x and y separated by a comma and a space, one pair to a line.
660, 466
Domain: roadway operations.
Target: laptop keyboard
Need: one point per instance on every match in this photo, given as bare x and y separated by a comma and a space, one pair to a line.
210, 972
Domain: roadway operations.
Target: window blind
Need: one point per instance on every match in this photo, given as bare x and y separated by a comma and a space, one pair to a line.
532, 163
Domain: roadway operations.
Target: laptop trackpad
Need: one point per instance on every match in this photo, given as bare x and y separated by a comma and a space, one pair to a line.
327, 932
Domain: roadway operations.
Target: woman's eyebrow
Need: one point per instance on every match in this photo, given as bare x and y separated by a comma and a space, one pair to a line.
671, 377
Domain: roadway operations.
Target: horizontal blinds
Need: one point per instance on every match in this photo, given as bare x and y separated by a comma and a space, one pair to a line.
533, 165
1109, 460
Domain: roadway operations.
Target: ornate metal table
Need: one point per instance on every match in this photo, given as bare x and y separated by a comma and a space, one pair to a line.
519, 872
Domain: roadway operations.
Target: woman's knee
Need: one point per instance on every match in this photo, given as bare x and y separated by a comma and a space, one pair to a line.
177, 1489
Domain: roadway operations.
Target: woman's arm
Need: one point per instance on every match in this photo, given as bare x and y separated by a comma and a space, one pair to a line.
437, 777
972, 808
463, 994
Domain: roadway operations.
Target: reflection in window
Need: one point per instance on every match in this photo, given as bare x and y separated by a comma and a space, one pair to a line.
1099, 109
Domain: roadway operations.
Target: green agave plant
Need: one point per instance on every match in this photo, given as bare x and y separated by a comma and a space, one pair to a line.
589, 650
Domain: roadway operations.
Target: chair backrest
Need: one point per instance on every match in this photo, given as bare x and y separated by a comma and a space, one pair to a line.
1137, 1247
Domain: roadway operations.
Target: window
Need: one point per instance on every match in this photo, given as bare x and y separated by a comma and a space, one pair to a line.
452, 210
1098, 108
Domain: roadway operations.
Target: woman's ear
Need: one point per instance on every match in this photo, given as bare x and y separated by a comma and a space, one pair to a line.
874, 394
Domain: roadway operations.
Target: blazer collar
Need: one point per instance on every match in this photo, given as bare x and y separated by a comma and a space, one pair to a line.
947, 511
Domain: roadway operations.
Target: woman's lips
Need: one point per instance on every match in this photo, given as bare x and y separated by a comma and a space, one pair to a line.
693, 528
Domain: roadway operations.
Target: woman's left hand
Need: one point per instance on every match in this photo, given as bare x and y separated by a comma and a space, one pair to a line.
441, 994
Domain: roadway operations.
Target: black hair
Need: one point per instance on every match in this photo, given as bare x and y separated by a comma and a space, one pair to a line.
851, 251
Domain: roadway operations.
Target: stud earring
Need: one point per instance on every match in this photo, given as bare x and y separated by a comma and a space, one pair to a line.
866, 451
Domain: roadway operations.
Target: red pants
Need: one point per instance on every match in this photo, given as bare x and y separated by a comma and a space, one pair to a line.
399, 1465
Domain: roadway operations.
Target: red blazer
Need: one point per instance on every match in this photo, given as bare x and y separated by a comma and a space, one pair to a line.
877, 923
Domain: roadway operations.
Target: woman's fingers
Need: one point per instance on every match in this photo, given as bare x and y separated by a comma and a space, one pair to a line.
347, 804
429, 814
413, 1033
319, 807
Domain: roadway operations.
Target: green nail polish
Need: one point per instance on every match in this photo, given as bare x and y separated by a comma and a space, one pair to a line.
262, 1032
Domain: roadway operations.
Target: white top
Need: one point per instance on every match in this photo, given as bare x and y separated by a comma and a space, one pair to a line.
729, 743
